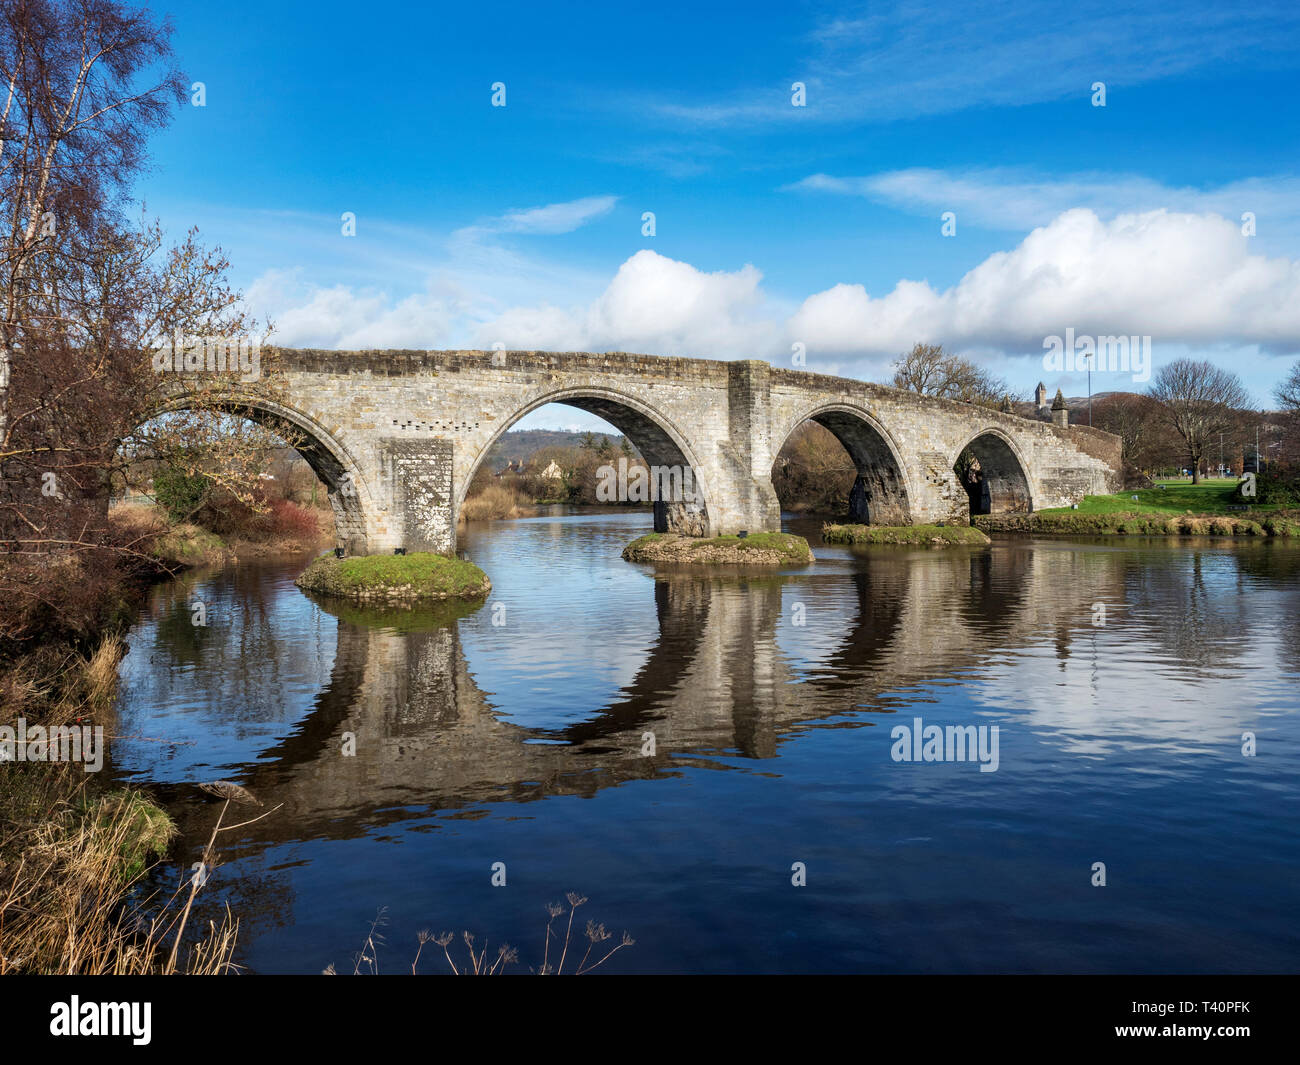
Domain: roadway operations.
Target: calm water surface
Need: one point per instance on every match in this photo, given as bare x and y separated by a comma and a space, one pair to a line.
521, 742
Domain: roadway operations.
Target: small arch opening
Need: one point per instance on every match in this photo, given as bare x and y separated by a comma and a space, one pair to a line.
242, 474
620, 455
839, 463
993, 477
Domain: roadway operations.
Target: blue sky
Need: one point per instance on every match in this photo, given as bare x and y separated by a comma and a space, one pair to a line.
775, 224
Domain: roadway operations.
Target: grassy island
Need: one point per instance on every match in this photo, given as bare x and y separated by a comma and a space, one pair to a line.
418, 577
915, 535
758, 549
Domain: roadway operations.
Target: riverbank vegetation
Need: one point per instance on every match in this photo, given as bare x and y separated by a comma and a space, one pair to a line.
1284, 525
917, 535
1215, 507
496, 502
221, 534
72, 900
1210, 497
89, 293
757, 549
75, 861
464, 957
421, 576
276, 506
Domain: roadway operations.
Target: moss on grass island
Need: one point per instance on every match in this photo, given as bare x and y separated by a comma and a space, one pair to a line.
915, 535
418, 577
759, 549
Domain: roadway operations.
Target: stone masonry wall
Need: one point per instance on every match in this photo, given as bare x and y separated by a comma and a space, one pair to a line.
404, 431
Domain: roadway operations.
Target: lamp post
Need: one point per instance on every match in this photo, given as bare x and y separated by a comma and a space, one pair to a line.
1091, 356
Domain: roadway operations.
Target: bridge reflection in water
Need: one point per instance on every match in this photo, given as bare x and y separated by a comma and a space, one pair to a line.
722, 671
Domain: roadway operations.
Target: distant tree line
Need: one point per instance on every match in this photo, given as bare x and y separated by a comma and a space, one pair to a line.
1195, 413
578, 467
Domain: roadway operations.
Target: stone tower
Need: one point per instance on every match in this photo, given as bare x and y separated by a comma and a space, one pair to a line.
1040, 401
1060, 411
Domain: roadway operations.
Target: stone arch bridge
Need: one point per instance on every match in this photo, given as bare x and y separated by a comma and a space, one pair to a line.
396, 436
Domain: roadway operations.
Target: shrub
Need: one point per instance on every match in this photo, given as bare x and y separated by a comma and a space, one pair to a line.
292, 521
1277, 486
180, 493
1278, 525
61, 599
494, 501
226, 515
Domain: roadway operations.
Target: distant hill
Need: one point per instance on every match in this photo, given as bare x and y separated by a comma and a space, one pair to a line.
518, 445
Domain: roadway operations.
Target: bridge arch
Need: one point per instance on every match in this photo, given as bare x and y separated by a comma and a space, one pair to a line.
1002, 484
350, 496
660, 442
880, 493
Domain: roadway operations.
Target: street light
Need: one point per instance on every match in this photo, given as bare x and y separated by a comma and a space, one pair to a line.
1091, 356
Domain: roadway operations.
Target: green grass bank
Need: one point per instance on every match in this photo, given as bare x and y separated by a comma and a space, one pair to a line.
1171, 508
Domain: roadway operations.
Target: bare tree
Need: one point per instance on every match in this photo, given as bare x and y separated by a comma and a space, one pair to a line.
75, 122
931, 371
86, 293
1287, 395
1146, 439
1198, 400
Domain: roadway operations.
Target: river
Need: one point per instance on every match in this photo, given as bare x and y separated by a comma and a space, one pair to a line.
683, 749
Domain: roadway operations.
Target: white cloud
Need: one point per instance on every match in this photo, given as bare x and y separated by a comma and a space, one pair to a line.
653, 304
1190, 281
551, 219
343, 318
904, 59
1180, 278
1004, 198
